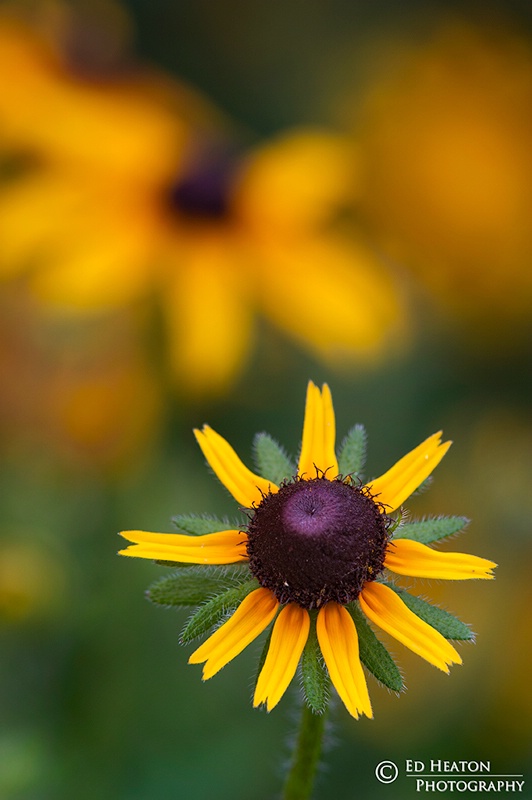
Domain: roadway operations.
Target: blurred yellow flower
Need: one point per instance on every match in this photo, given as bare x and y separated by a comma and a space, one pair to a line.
448, 168
132, 187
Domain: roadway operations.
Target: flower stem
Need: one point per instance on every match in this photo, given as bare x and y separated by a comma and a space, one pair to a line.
300, 779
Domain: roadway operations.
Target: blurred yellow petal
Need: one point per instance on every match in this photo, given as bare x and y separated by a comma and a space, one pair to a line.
252, 616
407, 557
319, 434
383, 607
208, 312
334, 297
33, 211
396, 485
89, 245
338, 640
246, 487
296, 181
124, 126
224, 547
289, 637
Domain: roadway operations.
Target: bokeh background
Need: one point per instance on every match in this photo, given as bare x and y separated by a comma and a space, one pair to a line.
202, 206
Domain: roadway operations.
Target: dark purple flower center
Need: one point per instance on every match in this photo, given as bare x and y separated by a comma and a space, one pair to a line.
317, 540
203, 190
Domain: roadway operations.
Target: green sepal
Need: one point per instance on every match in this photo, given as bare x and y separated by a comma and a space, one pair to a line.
373, 653
423, 487
395, 520
189, 587
214, 610
352, 454
271, 460
431, 529
445, 623
314, 677
262, 658
199, 526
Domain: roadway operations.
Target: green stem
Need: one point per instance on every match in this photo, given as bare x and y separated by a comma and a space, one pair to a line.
300, 779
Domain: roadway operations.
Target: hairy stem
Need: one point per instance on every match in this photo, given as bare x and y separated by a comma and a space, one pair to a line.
305, 758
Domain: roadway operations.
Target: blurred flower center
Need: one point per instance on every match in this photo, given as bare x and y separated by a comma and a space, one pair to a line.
204, 188
317, 540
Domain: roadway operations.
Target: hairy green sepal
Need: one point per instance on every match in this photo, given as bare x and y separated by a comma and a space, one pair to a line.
271, 460
373, 653
264, 653
199, 526
314, 678
352, 455
214, 610
444, 622
431, 529
189, 587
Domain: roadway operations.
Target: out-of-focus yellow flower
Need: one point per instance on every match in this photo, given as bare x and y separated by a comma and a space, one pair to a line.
136, 189
88, 155
448, 169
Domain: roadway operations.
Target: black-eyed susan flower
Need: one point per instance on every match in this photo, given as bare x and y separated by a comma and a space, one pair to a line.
319, 545
132, 187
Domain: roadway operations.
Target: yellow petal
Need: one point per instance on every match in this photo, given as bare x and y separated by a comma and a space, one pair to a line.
120, 127
396, 485
385, 608
224, 547
289, 637
91, 241
338, 640
252, 616
334, 297
296, 181
319, 434
246, 487
208, 311
406, 557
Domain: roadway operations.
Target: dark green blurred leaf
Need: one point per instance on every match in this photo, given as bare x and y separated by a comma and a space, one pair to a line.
430, 529
271, 460
373, 653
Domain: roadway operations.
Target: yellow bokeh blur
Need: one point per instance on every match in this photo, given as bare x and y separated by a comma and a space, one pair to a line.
447, 168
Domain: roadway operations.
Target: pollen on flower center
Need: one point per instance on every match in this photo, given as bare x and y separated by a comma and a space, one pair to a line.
317, 540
